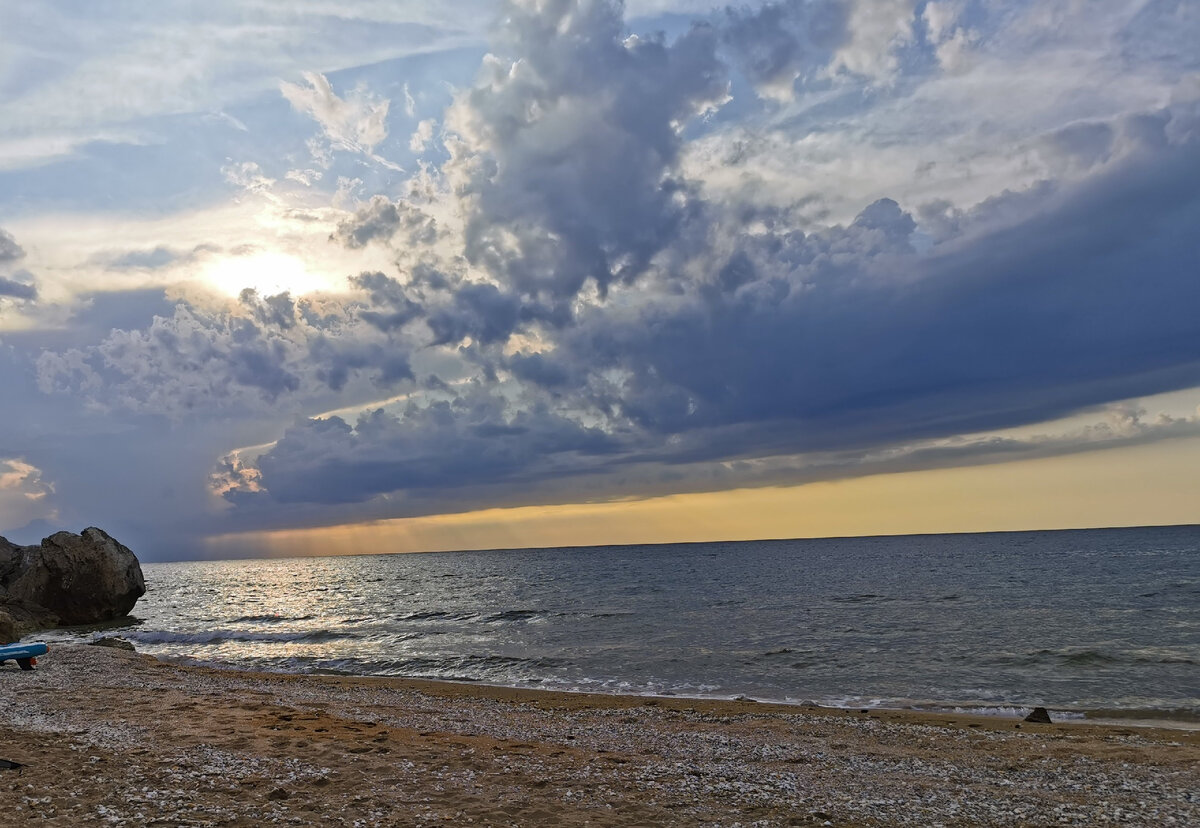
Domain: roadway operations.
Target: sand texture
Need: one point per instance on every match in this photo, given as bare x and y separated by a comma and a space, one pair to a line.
115, 738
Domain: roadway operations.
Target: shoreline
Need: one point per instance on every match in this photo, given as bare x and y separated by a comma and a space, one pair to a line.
113, 737
1172, 720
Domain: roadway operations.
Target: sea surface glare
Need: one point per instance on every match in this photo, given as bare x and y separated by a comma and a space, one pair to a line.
1075, 620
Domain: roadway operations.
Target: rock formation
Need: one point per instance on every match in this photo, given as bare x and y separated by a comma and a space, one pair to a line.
67, 580
1039, 715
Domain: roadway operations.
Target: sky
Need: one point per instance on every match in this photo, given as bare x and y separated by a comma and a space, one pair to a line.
365, 276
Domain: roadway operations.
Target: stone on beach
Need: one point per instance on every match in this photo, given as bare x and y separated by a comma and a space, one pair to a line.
1039, 715
112, 641
66, 580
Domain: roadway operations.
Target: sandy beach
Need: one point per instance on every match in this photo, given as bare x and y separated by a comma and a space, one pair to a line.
109, 737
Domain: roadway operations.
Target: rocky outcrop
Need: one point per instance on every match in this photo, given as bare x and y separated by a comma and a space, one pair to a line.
67, 580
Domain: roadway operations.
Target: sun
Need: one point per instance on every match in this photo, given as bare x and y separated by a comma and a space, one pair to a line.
267, 272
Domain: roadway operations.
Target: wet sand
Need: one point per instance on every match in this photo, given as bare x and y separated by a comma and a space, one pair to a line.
109, 737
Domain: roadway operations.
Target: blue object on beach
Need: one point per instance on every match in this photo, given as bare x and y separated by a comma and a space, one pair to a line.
24, 654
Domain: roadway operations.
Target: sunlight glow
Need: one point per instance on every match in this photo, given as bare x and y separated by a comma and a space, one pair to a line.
267, 272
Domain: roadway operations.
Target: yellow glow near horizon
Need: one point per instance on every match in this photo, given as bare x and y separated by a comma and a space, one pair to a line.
1139, 485
268, 272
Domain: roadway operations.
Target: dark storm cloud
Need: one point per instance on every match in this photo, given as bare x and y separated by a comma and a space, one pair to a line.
566, 151
838, 341
482, 312
471, 441
601, 316
851, 337
392, 307
539, 369
1032, 305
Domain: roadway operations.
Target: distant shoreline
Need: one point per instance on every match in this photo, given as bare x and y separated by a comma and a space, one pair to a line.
664, 544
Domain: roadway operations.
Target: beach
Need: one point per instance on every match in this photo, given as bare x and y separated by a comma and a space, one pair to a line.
110, 737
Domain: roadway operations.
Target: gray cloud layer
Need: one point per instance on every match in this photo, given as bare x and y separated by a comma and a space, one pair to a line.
743, 344
10, 253
570, 311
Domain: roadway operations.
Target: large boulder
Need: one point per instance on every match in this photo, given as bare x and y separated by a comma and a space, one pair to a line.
67, 580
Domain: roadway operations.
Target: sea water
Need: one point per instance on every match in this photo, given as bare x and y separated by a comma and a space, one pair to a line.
1095, 620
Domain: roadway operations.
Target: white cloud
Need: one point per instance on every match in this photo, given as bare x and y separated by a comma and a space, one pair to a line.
28, 151
249, 176
877, 28
355, 123
422, 135
24, 479
136, 60
940, 18
24, 494
410, 104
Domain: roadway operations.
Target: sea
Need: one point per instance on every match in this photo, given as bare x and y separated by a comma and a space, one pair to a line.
1095, 623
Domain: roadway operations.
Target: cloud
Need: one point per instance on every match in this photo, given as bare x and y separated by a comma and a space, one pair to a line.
941, 17
248, 176
10, 251
19, 476
356, 123
791, 342
160, 256
472, 441
887, 267
21, 286
380, 219
17, 290
166, 66
781, 42
242, 358
877, 28
850, 335
951, 40
422, 136
846, 346
1078, 146
565, 152
25, 495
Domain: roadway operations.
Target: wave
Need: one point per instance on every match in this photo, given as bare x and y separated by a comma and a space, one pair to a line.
431, 615
1167, 715
212, 637
1004, 711
270, 618
1083, 658
862, 598
504, 670
1086, 658
515, 615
